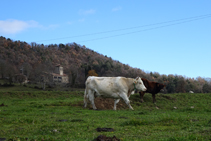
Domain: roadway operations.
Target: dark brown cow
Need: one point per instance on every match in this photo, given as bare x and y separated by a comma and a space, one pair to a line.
152, 87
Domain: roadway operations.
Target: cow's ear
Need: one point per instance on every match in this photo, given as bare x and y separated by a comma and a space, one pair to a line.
134, 81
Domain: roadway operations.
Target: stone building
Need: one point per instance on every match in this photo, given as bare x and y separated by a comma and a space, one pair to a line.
58, 75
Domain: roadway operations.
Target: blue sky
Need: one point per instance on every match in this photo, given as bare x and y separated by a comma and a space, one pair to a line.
164, 36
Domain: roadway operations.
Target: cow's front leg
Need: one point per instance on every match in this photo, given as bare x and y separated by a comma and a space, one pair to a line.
153, 97
127, 101
115, 102
141, 96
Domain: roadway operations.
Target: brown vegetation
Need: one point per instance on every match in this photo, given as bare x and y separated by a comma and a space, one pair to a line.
80, 62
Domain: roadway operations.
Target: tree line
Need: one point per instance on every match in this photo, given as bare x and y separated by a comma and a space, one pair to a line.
80, 62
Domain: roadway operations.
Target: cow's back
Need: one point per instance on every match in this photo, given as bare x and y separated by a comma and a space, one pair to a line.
152, 87
107, 85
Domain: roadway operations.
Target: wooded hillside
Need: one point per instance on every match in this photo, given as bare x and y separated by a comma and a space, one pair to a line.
78, 63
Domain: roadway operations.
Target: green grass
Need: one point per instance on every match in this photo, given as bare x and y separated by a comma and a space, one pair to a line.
18, 87
32, 87
50, 115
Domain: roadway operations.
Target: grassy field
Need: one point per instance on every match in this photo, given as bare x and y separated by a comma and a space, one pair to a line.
56, 115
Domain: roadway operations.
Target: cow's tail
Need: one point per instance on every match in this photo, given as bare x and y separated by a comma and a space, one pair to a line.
85, 98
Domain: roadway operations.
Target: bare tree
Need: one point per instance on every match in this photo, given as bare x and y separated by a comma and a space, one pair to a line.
41, 75
20, 78
2, 68
10, 72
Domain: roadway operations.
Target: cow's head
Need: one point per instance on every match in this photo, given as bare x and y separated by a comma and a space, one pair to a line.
139, 85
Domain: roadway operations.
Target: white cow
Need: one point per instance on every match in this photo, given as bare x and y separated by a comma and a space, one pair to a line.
111, 87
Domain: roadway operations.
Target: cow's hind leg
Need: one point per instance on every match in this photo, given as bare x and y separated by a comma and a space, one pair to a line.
115, 102
127, 101
153, 97
92, 98
85, 98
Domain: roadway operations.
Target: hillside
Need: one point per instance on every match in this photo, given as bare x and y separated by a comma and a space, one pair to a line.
79, 62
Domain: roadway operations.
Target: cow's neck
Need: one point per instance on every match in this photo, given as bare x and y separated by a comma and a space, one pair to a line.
134, 86
131, 87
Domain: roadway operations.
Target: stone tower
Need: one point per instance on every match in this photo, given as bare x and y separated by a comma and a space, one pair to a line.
59, 70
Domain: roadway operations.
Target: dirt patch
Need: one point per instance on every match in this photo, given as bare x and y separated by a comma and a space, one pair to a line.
105, 129
194, 120
2, 105
62, 120
2, 139
124, 117
104, 104
76, 120
104, 138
